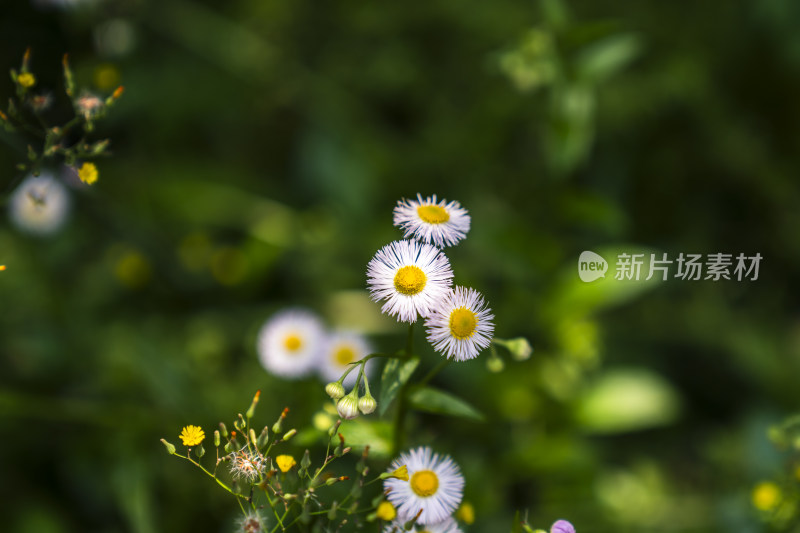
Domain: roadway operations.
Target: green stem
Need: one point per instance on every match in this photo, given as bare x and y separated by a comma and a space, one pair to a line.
435, 370
400, 414
201, 467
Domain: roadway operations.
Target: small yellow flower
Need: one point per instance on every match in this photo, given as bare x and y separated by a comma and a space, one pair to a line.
88, 173
26, 79
766, 496
466, 513
285, 462
386, 511
192, 435
401, 473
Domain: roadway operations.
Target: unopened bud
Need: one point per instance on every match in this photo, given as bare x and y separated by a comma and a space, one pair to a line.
495, 364
334, 389
199, 451
216, 438
519, 348
251, 411
305, 462
263, 437
347, 407
170, 447
333, 480
367, 404
223, 430
252, 435
289, 434
277, 427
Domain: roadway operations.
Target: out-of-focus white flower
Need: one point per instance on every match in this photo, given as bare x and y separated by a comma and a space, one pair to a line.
289, 343
39, 205
339, 350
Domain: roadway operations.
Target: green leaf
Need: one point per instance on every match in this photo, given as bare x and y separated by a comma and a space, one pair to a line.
628, 399
436, 401
516, 527
395, 375
606, 57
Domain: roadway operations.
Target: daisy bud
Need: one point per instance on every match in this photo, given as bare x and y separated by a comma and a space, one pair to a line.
347, 407
367, 404
253, 437
334, 389
199, 451
495, 364
170, 447
216, 439
289, 434
519, 348
223, 430
562, 526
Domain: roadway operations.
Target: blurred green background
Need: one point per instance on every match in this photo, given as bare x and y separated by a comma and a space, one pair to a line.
259, 149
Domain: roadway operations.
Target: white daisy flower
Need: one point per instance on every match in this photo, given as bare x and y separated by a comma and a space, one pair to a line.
441, 223
39, 205
289, 343
461, 325
446, 526
412, 277
434, 487
339, 350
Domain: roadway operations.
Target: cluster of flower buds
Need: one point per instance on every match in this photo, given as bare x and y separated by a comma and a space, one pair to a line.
348, 406
26, 114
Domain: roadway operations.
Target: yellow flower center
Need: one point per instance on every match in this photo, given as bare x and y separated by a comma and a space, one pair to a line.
462, 323
433, 214
293, 343
344, 355
424, 483
410, 280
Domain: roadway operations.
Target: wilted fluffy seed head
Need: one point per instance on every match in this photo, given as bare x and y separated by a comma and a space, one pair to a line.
251, 523
247, 465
